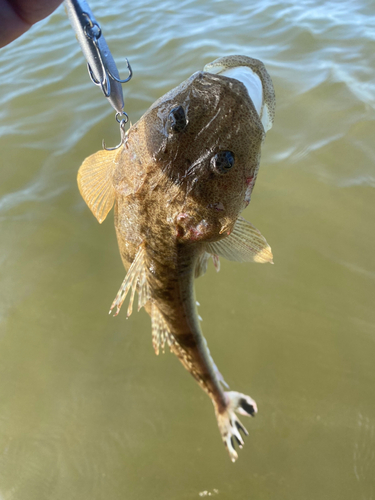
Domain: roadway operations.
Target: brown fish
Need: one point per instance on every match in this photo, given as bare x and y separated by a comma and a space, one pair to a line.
179, 182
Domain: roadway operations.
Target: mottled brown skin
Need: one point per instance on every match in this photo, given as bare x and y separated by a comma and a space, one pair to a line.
177, 189
181, 178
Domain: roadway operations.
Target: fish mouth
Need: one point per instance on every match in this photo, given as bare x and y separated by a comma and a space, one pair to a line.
245, 75
242, 69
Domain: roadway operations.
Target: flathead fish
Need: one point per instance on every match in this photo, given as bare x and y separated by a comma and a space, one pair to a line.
178, 183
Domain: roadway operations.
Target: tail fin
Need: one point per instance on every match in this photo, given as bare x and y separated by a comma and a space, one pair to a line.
229, 425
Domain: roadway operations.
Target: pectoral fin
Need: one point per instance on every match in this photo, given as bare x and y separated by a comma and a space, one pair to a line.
136, 281
95, 182
244, 244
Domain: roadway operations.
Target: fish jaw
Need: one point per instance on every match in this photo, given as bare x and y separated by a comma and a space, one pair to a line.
248, 77
254, 76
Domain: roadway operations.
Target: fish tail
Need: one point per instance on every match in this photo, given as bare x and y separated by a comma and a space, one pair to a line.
229, 424
209, 378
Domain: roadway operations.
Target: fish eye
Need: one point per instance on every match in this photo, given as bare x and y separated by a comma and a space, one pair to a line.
223, 161
177, 119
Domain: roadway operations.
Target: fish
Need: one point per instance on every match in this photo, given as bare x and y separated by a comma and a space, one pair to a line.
178, 183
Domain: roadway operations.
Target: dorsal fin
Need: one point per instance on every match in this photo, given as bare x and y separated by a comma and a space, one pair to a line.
244, 244
161, 333
95, 182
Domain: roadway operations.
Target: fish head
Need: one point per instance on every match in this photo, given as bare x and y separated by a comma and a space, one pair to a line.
204, 137
192, 159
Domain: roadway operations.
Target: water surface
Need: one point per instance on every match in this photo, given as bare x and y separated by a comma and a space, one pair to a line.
87, 411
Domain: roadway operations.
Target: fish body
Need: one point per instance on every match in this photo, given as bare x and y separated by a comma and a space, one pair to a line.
178, 184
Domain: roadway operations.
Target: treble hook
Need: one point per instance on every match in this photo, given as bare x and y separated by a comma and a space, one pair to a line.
122, 123
108, 73
101, 65
93, 31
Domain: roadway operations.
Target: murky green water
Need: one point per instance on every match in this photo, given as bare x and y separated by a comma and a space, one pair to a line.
87, 411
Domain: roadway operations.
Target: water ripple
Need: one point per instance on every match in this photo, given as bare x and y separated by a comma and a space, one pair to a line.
321, 56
